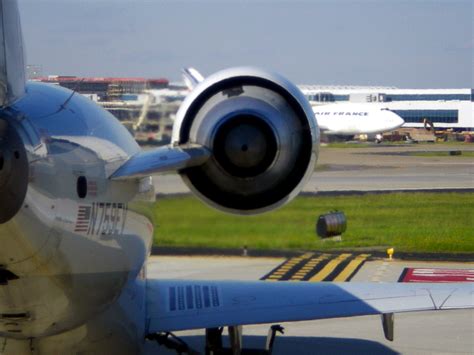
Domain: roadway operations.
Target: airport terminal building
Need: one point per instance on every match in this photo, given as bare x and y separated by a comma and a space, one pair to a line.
444, 108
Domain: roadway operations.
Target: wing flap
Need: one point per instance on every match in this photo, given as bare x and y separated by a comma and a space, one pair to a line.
180, 305
160, 160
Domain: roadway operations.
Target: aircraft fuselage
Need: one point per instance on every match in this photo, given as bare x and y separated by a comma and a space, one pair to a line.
352, 119
75, 229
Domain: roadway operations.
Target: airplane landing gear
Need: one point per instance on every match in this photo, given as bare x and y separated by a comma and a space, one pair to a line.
171, 341
214, 342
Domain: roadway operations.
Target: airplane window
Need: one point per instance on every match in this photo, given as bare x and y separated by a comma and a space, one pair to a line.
81, 186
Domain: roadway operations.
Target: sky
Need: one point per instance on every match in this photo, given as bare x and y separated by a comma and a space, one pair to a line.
406, 44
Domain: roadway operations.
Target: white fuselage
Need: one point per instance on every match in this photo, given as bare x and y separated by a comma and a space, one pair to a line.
351, 119
77, 259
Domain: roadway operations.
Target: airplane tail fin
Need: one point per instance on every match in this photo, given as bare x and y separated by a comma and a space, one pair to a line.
12, 65
191, 77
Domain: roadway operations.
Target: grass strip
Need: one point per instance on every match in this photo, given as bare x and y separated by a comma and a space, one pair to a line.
409, 222
353, 144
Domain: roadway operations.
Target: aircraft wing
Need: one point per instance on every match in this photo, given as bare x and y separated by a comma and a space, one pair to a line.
178, 305
160, 160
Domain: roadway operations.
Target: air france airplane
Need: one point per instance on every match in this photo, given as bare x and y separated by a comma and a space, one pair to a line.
76, 231
341, 119
352, 119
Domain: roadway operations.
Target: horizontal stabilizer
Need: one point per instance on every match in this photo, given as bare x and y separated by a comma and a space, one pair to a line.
179, 305
161, 160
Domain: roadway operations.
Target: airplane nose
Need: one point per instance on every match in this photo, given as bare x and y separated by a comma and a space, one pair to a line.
400, 121
13, 172
397, 120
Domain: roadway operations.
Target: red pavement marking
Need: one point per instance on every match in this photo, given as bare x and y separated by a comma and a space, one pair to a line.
437, 275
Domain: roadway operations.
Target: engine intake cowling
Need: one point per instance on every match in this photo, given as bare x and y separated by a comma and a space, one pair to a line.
262, 134
13, 172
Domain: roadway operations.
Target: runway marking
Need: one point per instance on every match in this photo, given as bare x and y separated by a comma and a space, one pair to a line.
287, 267
321, 267
351, 268
329, 268
437, 275
310, 265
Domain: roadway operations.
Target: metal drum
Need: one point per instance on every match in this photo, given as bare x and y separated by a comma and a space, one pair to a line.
331, 224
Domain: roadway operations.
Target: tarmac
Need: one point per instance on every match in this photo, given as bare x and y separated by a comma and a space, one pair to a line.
377, 168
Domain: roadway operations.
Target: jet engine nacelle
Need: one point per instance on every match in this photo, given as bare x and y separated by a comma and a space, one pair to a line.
261, 132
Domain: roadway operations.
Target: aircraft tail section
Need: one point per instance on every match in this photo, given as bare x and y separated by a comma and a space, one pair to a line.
12, 65
191, 77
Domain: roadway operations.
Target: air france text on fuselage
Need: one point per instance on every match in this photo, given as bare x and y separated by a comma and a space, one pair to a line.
342, 113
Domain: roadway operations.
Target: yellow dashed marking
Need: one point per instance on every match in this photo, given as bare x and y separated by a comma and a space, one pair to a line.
301, 273
330, 266
283, 269
309, 262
